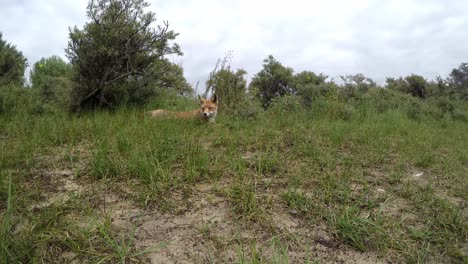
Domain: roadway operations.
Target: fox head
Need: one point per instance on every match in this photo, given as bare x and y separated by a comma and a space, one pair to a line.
209, 107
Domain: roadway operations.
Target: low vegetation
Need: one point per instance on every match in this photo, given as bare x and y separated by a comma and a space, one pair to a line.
292, 183
297, 169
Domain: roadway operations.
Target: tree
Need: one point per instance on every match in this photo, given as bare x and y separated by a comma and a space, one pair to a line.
309, 78
356, 85
50, 79
171, 76
417, 85
459, 77
309, 86
458, 80
414, 84
117, 55
399, 84
274, 80
361, 82
53, 66
12, 64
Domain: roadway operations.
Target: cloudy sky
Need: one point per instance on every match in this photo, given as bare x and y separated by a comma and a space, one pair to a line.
378, 38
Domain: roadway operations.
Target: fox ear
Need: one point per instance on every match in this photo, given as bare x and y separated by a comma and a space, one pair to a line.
214, 99
201, 99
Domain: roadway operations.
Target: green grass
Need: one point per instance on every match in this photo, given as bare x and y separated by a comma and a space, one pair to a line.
351, 173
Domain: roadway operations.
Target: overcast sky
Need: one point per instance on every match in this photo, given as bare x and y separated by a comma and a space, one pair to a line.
378, 38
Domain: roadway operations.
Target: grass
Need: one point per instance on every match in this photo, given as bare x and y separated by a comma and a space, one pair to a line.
283, 181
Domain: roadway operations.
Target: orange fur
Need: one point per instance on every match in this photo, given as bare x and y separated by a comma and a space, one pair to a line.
207, 111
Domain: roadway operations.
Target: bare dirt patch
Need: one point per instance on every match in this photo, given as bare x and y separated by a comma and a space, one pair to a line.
310, 240
188, 235
56, 175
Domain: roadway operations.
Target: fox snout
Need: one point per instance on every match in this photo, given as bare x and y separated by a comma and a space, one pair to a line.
208, 114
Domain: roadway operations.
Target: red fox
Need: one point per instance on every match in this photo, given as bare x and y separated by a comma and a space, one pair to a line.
207, 111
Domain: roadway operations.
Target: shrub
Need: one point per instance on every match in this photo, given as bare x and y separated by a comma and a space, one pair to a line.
51, 83
274, 80
333, 109
356, 85
170, 76
312, 92
248, 108
118, 55
229, 86
286, 104
414, 84
12, 64
383, 100
458, 81
16, 99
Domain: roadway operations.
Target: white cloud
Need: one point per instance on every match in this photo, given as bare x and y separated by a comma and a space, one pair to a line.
375, 37
40, 28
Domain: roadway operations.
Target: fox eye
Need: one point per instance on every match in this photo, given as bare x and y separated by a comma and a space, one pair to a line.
211, 108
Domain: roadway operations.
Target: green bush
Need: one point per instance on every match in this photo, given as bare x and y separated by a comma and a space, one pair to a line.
355, 86
274, 80
167, 76
379, 101
286, 104
45, 68
12, 64
445, 106
458, 81
333, 109
414, 84
51, 84
248, 108
230, 87
460, 114
118, 56
16, 99
312, 92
